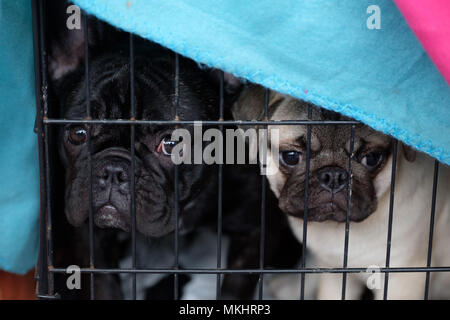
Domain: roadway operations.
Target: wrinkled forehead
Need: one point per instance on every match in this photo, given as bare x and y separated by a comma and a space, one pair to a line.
111, 99
322, 136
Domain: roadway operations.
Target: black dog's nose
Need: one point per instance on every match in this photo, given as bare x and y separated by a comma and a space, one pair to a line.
114, 174
332, 179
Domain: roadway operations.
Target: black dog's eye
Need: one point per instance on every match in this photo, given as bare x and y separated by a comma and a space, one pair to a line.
77, 135
372, 160
290, 158
166, 146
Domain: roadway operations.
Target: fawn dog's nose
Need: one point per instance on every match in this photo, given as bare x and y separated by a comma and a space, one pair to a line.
332, 179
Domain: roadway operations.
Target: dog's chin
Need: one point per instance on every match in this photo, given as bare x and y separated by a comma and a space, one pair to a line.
326, 211
109, 217
329, 211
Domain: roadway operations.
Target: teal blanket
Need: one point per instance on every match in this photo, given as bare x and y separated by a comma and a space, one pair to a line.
19, 181
321, 51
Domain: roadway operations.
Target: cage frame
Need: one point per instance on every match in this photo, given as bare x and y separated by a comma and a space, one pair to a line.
45, 270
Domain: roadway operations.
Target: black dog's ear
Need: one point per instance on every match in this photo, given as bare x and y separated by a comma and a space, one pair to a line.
65, 34
232, 84
65, 37
409, 152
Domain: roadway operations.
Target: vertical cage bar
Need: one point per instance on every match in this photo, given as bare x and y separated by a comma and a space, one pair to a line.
49, 228
42, 275
430, 236
133, 166
305, 208
220, 191
391, 214
263, 199
48, 191
89, 154
176, 209
349, 199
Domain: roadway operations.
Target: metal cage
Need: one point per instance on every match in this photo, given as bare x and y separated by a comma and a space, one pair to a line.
46, 269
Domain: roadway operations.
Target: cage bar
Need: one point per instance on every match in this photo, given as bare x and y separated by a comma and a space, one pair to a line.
220, 191
391, 214
42, 272
263, 200
176, 200
204, 122
257, 271
305, 208
430, 236
89, 154
349, 199
46, 270
133, 166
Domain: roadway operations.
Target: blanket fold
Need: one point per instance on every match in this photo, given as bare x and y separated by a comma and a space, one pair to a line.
325, 52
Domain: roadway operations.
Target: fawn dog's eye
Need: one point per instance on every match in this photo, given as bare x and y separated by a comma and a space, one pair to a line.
290, 158
372, 160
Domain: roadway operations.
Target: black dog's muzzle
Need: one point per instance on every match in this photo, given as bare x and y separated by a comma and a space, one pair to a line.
111, 188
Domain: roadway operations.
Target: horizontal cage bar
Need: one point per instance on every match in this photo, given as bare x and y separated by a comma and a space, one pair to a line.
205, 122
257, 271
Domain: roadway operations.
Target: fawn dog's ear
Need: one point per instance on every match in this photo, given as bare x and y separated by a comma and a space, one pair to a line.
251, 103
409, 152
251, 106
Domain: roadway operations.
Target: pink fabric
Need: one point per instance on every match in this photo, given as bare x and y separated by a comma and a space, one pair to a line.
430, 21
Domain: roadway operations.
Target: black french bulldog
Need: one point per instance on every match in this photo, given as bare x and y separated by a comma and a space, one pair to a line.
110, 98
